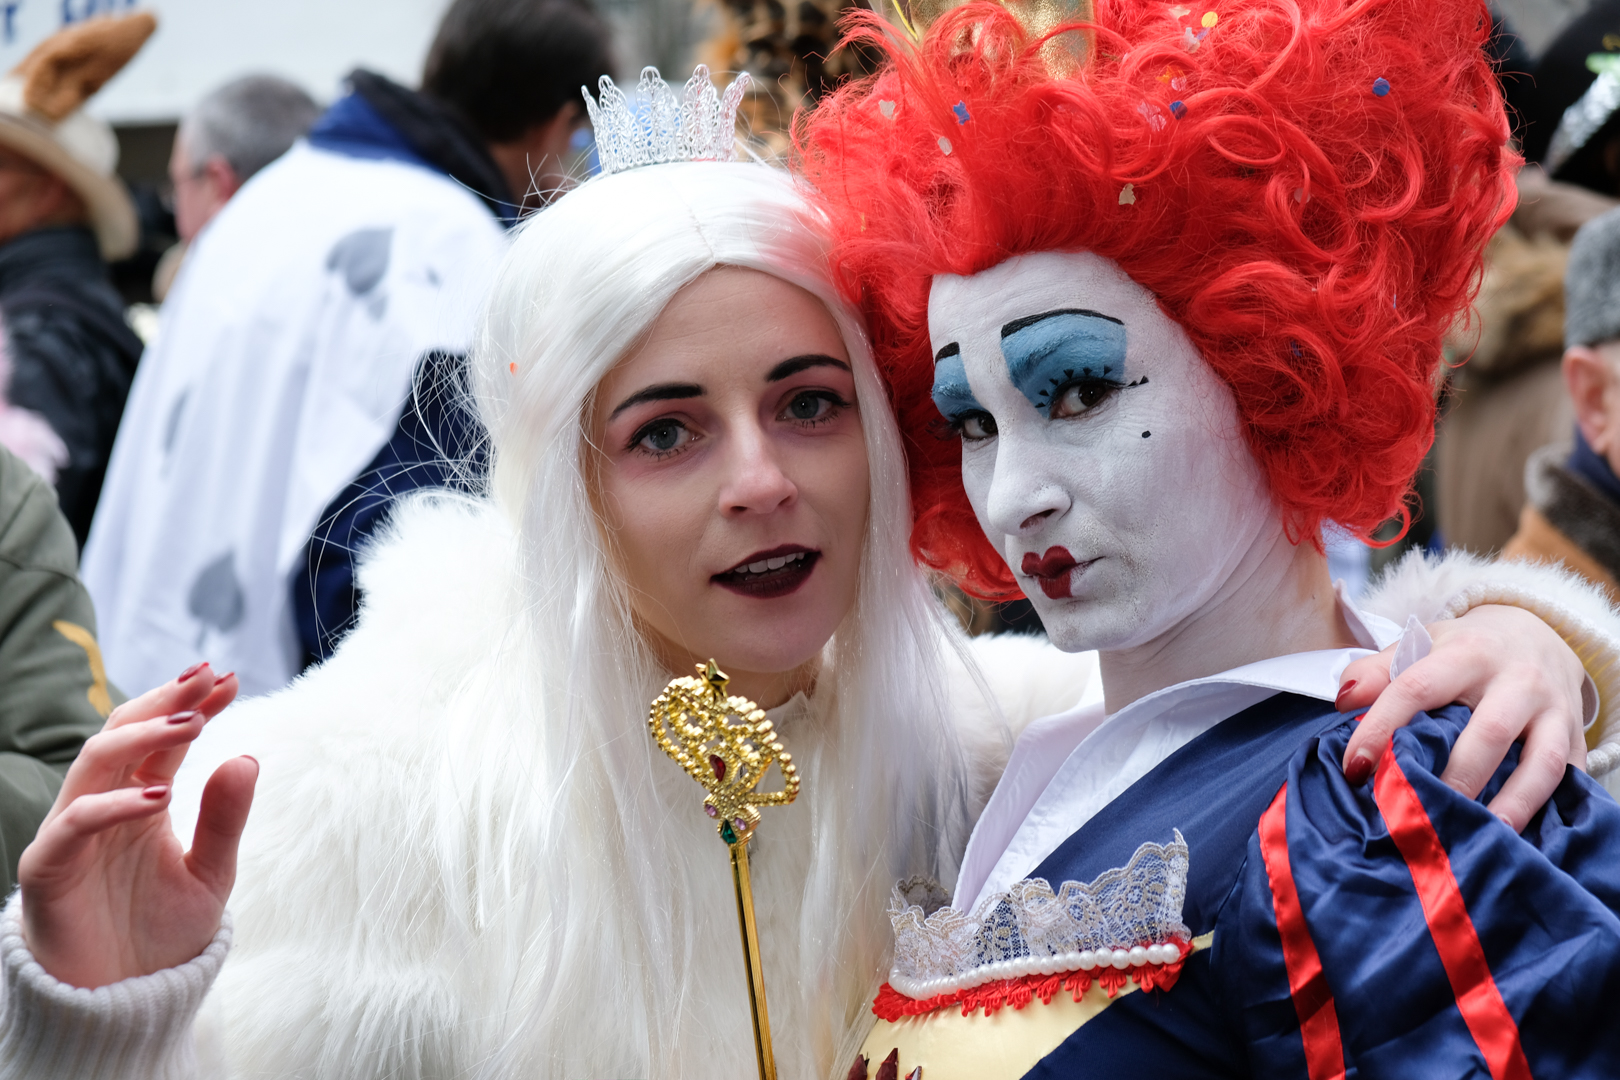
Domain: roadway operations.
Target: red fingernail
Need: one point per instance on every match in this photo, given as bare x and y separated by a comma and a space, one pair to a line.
1344, 692
225, 676
184, 717
1360, 767
156, 791
192, 670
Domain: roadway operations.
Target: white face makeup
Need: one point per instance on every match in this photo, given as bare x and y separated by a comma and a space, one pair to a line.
1102, 455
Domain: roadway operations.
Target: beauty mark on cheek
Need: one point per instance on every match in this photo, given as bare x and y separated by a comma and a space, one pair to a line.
1044, 352
1052, 570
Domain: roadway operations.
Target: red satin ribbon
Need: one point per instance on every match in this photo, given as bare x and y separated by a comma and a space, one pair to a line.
1478, 999
1313, 1001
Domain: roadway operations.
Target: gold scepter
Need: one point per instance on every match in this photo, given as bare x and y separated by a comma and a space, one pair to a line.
727, 745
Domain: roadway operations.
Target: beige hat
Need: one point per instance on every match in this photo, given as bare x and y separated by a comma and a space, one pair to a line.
42, 117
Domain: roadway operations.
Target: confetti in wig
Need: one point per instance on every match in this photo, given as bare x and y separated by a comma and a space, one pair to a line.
1306, 186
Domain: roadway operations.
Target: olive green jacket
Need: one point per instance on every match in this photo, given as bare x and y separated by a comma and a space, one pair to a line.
54, 692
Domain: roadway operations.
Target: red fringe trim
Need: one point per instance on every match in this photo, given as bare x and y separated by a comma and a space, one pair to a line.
892, 1005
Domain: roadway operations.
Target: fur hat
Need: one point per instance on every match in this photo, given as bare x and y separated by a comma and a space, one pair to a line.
42, 117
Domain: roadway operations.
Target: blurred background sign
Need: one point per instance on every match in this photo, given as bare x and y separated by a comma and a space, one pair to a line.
201, 44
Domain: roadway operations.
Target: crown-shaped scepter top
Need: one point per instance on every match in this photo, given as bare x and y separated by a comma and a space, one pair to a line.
659, 128
726, 744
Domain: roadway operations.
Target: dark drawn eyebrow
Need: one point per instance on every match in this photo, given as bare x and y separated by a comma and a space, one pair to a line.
795, 364
1027, 321
658, 392
953, 349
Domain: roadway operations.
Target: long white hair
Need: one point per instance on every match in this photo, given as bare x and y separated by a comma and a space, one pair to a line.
638, 969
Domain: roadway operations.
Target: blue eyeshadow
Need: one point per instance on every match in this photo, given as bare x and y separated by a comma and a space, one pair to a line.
953, 397
1045, 351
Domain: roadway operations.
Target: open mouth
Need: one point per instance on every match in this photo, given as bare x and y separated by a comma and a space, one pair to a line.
766, 575
1054, 571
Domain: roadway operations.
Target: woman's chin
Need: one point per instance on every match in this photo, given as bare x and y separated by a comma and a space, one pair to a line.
739, 659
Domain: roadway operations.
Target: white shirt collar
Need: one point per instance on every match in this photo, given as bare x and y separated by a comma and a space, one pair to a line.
1065, 768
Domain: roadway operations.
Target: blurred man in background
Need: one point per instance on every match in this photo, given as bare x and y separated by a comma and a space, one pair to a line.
231, 134
1508, 396
288, 344
63, 213
1573, 513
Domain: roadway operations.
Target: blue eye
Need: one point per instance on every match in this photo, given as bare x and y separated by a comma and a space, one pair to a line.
660, 437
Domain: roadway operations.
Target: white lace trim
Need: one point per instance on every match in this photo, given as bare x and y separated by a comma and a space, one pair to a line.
1127, 917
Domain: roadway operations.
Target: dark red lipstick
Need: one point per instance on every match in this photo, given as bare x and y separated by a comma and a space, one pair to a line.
1052, 570
766, 575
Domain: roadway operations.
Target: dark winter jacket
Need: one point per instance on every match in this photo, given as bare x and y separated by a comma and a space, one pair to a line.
72, 354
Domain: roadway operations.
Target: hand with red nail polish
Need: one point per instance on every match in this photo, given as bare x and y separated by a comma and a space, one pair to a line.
1523, 683
108, 892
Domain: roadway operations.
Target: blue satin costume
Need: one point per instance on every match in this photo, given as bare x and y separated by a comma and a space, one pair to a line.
1433, 942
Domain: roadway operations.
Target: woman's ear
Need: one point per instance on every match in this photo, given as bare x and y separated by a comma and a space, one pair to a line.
1590, 378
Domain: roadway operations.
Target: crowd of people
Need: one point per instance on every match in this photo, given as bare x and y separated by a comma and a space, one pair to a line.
330, 615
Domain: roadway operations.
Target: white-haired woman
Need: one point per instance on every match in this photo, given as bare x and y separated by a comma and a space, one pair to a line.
467, 858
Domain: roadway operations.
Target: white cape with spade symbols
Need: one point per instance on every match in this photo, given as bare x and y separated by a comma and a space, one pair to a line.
284, 356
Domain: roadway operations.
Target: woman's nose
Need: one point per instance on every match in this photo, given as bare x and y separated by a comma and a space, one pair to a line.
1023, 494
756, 482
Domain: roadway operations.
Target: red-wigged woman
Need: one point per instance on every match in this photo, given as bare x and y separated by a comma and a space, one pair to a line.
1160, 297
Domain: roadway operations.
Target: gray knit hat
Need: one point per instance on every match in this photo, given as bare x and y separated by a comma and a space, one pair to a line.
1592, 283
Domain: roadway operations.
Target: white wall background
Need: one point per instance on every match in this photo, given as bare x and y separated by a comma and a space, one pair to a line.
202, 43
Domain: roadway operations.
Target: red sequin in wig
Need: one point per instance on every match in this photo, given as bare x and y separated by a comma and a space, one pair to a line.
1306, 188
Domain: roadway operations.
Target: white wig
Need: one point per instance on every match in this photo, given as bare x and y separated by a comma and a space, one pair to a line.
641, 939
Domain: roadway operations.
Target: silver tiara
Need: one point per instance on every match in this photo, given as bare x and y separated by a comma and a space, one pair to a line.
659, 127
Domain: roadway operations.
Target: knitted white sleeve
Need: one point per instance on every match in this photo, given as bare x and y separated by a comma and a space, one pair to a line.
1444, 587
138, 1029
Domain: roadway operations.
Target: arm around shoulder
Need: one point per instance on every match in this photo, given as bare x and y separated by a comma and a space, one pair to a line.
1448, 586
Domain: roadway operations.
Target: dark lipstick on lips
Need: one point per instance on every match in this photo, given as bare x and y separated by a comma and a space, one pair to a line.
1051, 570
757, 577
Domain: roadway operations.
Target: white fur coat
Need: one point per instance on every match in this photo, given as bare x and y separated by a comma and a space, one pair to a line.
368, 941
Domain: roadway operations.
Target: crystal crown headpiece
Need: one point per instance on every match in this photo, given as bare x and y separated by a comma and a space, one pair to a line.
700, 126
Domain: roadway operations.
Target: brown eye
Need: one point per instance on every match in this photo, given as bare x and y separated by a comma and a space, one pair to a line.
1079, 396
977, 425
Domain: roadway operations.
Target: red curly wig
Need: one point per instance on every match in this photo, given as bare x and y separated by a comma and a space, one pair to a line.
1306, 188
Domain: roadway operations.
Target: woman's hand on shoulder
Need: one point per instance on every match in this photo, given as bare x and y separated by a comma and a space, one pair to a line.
1523, 683
108, 893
